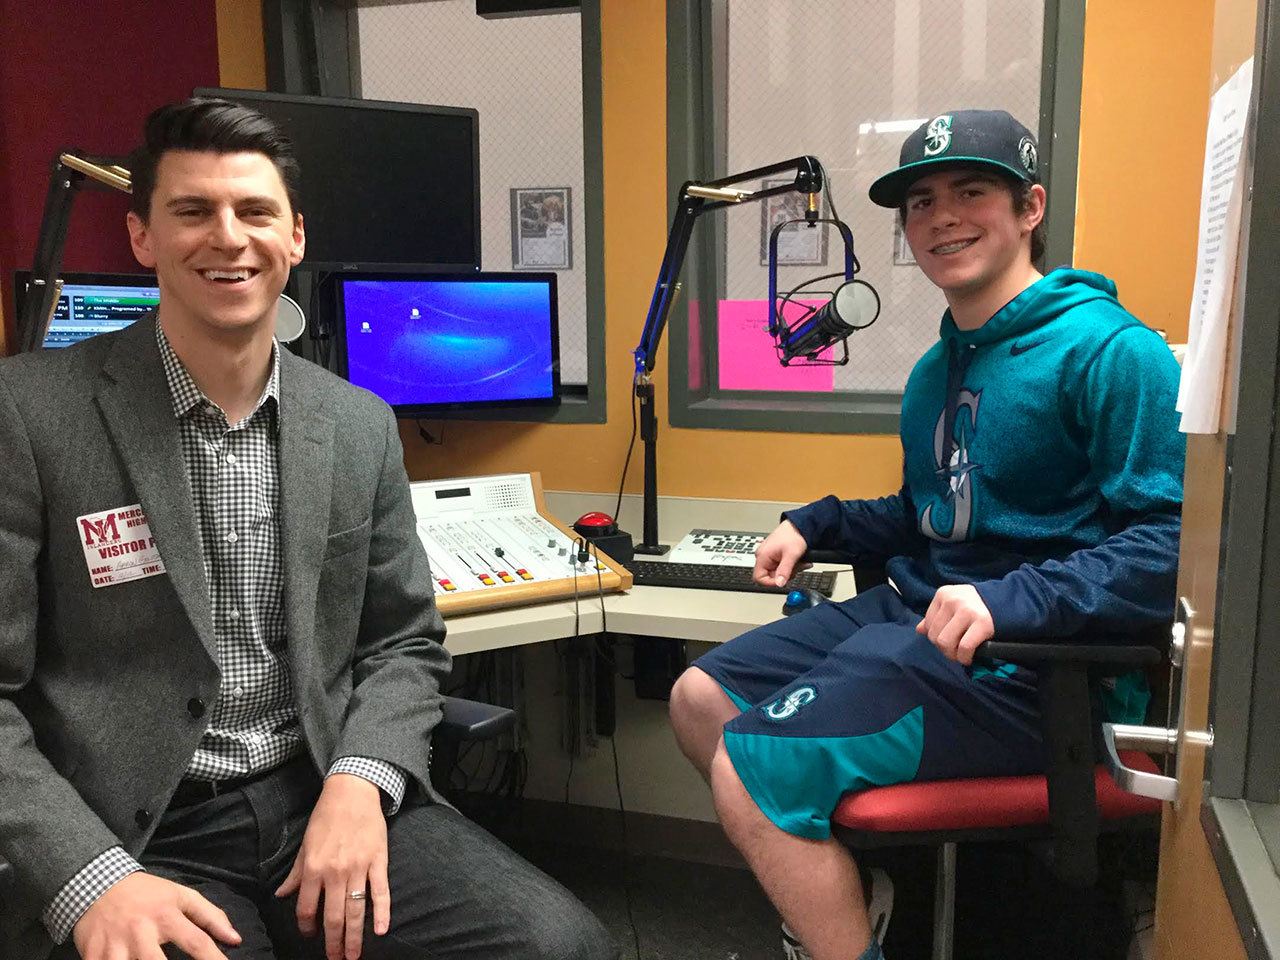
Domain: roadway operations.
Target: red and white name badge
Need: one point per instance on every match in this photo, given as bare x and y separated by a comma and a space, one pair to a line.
118, 546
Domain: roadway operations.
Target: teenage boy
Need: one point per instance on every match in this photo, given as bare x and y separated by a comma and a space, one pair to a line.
220, 658
1041, 497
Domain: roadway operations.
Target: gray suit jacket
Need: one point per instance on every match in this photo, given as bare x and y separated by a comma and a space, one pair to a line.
94, 683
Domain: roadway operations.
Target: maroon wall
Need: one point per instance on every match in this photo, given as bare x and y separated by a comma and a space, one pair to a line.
84, 74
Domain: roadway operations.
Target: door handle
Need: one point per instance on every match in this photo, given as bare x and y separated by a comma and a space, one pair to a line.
1163, 741
1160, 740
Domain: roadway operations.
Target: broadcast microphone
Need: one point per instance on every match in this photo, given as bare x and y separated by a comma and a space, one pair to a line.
854, 305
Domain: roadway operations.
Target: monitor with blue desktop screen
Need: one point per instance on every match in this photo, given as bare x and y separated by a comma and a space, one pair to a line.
435, 342
94, 303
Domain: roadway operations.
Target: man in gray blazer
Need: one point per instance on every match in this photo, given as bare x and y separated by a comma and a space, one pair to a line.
220, 658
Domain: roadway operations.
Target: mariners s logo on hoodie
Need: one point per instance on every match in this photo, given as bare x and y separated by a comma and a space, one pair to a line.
957, 426
1019, 436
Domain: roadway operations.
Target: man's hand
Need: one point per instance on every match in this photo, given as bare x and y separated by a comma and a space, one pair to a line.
956, 622
142, 912
777, 555
343, 850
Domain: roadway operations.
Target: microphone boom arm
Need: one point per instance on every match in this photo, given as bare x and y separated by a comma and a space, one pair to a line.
694, 200
66, 178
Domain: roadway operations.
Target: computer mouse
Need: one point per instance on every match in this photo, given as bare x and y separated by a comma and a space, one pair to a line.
801, 599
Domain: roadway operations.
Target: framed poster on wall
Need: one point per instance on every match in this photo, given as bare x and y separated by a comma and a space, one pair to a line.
541, 237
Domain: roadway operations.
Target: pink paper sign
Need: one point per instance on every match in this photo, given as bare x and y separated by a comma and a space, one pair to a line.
748, 360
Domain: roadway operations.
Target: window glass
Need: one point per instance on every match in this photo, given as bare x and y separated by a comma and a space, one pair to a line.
846, 81
524, 76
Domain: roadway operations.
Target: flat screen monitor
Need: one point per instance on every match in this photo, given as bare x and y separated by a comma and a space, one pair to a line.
385, 186
427, 344
93, 303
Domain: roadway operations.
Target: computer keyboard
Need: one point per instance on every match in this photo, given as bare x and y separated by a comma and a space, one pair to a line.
706, 576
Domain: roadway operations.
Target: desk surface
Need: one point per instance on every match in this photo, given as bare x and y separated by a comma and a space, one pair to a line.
710, 615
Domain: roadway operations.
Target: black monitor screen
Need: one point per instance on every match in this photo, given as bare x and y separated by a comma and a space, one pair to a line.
431, 343
93, 303
385, 185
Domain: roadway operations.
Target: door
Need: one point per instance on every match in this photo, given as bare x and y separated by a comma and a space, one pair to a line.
1193, 917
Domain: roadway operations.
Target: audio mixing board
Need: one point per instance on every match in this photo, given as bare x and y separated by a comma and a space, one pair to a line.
492, 544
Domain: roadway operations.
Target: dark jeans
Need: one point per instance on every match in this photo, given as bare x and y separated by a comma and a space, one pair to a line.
456, 892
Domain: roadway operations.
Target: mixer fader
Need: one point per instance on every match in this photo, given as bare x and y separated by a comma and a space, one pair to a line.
492, 544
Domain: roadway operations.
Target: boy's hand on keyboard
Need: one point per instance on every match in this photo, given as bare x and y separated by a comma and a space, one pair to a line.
778, 555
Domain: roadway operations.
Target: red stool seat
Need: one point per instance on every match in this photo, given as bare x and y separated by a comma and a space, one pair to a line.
983, 802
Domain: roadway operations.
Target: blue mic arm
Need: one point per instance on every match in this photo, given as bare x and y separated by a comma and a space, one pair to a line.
694, 200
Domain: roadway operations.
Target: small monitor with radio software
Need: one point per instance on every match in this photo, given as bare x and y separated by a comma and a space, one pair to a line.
94, 303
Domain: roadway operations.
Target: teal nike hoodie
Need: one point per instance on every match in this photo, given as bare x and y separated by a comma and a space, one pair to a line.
1042, 464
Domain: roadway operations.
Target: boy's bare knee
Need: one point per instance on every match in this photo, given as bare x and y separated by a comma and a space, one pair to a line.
695, 697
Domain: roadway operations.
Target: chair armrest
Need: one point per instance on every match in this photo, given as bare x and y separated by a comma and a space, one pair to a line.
1125, 656
1147, 649
472, 720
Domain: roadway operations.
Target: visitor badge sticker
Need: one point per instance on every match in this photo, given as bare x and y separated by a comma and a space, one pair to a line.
118, 546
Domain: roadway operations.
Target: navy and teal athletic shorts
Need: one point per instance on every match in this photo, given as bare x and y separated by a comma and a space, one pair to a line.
846, 696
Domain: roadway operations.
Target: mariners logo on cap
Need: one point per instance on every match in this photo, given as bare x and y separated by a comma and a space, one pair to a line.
1027, 154
938, 137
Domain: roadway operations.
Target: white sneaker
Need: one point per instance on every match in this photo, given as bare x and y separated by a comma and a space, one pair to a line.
879, 910
792, 949
879, 903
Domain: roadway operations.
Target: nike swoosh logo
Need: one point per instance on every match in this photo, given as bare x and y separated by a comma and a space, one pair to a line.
1018, 348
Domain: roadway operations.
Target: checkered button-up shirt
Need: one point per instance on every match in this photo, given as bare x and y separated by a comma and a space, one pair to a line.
234, 472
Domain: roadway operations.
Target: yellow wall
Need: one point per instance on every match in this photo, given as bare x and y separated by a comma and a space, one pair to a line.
1144, 111
242, 59
1142, 130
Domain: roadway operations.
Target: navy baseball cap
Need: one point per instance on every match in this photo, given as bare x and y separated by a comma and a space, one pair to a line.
962, 138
